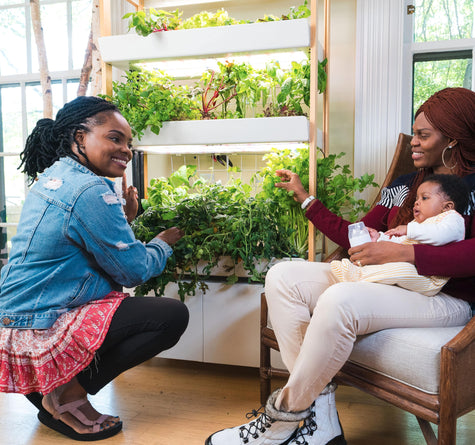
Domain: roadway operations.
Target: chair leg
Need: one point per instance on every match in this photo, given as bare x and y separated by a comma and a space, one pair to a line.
447, 429
427, 431
265, 388
264, 375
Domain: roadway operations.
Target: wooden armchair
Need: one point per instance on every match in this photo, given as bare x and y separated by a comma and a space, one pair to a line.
425, 371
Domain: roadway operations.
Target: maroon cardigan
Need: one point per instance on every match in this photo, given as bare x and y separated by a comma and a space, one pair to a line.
454, 260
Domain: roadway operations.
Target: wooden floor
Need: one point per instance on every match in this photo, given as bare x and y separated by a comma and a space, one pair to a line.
170, 402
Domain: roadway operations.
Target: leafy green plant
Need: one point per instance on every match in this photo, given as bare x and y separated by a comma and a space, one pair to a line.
205, 19
240, 82
149, 98
152, 20
336, 189
298, 12
291, 88
218, 221
222, 93
227, 221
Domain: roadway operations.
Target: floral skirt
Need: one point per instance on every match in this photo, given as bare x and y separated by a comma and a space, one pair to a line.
40, 360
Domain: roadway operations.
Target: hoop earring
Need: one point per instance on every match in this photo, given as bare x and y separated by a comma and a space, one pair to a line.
449, 147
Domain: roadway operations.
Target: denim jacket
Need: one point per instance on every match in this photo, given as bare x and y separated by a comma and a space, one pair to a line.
73, 245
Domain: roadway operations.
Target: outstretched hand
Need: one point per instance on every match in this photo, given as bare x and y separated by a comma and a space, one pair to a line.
131, 196
171, 235
292, 183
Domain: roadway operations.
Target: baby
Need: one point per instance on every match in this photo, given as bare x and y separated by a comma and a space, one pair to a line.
440, 203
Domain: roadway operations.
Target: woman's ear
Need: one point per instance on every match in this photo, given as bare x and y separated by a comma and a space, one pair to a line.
79, 137
453, 143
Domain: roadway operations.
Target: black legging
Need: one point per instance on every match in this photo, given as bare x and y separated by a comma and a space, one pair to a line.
141, 328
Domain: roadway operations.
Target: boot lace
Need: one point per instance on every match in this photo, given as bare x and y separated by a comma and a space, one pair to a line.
252, 429
307, 429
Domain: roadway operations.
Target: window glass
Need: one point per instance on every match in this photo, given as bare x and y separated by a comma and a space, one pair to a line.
443, 20
72, 89
81, 27
66, 26
11, 201
14, 189
13, 59
433, 75
55, 31
34, 102
11, 123
9, 2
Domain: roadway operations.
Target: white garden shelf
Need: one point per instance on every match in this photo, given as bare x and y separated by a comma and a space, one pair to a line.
228, 131
121, 50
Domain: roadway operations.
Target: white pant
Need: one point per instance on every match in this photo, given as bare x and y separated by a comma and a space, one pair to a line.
316, 321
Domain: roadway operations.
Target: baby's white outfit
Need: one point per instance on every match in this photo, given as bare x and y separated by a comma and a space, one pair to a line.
447, 227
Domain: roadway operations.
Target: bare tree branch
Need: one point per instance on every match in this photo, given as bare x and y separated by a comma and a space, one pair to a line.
96, 81
86, 68
42, 59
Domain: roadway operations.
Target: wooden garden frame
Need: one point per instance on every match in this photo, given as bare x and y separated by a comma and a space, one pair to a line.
106, 28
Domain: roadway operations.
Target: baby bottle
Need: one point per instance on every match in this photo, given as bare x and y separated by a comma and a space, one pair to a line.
358, 234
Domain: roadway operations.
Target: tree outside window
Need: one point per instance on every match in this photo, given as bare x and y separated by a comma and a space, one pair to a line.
438, 21
66, 26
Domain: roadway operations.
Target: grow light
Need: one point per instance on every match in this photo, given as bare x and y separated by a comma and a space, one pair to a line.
236, 149
192, 68
174, 3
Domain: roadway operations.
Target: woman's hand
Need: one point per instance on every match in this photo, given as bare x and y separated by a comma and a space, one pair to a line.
171, 235
292, 183
131, 196
381, 253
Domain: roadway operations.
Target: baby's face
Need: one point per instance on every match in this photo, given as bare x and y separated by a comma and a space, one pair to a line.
430, 201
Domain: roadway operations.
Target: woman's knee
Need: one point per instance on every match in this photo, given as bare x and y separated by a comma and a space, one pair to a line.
278, 272
152, 313
180, 315
337, 305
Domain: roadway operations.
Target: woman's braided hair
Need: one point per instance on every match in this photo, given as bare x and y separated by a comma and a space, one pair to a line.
452, 112
53, 139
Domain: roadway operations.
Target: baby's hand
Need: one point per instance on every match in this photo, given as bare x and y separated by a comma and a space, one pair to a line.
374, 234
397, 231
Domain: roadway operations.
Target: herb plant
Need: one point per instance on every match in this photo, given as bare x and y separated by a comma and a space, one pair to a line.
147, 21
227, 221
336, 189
218, 221
149, 98
152, 20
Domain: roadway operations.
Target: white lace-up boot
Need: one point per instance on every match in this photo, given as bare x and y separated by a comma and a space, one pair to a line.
270, 427
322, 427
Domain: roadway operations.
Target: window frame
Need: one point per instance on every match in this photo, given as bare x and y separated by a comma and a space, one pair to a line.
416, 50
29, 78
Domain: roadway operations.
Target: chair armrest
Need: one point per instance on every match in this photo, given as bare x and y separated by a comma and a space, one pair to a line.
457, 387
463, 339
338, 254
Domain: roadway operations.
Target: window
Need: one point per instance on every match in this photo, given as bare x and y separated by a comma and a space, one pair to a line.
66, 25
443, 46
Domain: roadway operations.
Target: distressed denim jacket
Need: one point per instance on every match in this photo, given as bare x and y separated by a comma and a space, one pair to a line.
73, 245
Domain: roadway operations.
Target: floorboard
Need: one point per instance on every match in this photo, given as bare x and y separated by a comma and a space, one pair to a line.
173, 402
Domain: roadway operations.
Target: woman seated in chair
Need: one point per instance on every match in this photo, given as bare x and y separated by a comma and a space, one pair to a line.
317, 319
